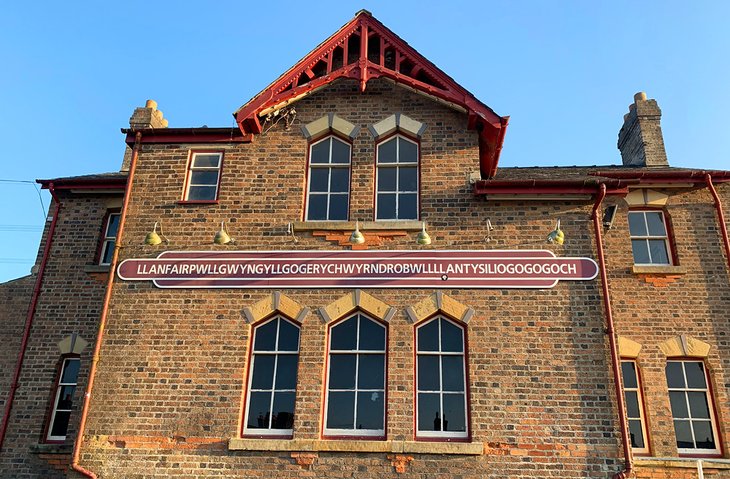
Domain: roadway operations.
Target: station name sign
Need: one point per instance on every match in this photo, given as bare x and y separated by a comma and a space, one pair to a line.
476, 269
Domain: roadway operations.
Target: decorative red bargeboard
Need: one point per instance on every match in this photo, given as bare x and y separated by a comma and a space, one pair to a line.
358, 269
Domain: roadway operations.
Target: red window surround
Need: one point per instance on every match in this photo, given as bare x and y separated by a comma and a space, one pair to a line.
188, 174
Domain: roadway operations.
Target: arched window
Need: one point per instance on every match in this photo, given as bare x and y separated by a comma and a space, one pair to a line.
441, 404
355, 404
396, 197
272, 378
328, 192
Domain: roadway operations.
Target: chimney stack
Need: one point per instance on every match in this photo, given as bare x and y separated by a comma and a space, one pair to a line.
143, 118
640, 140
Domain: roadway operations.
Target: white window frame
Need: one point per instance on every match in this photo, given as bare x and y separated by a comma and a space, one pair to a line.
443, 434
640, 399
648, 237
710, 407
397, 165
276, 353
108, 241
192, 168
57, 396
330, 165
357, 352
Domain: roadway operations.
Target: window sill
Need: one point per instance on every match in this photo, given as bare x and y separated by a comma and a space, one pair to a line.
50, 448
321, 445
197, 202
97, 268
658, 269
681, 462
400, 225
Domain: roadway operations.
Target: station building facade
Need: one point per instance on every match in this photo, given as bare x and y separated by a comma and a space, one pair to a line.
247, 302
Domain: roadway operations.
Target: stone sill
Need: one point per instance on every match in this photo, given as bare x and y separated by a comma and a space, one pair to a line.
399, 225
651, 269
97, 268
682, 463
51, 448
355, 445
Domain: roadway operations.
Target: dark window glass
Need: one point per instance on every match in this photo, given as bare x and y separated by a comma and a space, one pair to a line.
329, 180
408, 151
372, 336
204, 177
655, 221
286, 371
321, 152
428, 373
684, 434
344, 335
637, 225
387, 152
637, 435
288, 336
658, 251
428, 336
71, 371
407, 178
454, 418
283, 410
371, 373
695, 375
263, 371
338, 207
675, 376
258, 410
60, 423
63, 400
691, 406
317, 207
678, 400
387, 179
206, 161
429, 412
397, 180
641, 251
370, 407
340, 181
628, 369
632, 404
341, 410
452, 337
408, 207
201, 193
340, 151
65, 397
265, 337
111, 231
319, 180
386, 206
342, 371
703, 434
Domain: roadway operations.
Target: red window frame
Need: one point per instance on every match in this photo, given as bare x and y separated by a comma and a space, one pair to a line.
308, 173
644, 418
54, 392
357, 433
669, 230
188, 174
259, 433
379, 142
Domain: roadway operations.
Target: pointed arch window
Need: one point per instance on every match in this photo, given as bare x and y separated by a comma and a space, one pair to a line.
397, 179
328, 192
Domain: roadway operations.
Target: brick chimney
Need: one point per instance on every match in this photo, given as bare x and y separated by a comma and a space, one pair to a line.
640, 140
143, 118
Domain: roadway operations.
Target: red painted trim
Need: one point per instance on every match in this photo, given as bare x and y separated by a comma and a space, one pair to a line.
62, 184
613, 346
668, 176
29, 318
557, 187
720, 217
188, 174
188, 135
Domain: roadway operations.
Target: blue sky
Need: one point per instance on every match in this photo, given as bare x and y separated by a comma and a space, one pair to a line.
564, 71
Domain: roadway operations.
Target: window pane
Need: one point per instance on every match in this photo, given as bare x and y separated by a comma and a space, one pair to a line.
342, 371
428, 336
344, 335
340, 151
658, 250
60, 423
454, 414
408, 151
338, 207
675, 376
106, 256
637, 436
655, 220
408, 179
111, 231
386, 207
288, 336
679, 404
70, 371
632, 404
637, 226
65, 399
641, 251
428, 373
386, 179
386, 152
452, 337
258, 410
429, 418
204, 193
318, 180
371, 371
628, 370
703, 434
341, 410
317, 207
370, 410
372, 335
684, 434
321, 152
263, 371
340, 181
283, 411
286, 371
204, 177
698, 405
695, 375
407, 209
206, 161
453, 373
265, 337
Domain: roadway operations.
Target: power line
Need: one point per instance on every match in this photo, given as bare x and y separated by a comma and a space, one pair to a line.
38, 190
21, 228
16, 261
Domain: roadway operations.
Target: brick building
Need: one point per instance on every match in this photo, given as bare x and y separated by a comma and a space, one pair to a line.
347, 285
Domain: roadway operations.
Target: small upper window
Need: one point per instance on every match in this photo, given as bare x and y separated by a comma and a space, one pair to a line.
694, 416
634, 406
397, 180
203, 176
441, 405
63, 400
649, 239
109, 238
328, 196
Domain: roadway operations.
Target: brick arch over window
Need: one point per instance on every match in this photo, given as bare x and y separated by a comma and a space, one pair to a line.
357, 300
439, 303
275, 303
685, 346
397, 122
330, 123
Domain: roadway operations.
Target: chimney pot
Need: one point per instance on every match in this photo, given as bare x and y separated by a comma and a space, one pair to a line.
151, 104
641, 96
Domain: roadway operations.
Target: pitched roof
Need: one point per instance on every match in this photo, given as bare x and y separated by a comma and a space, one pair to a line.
365, 49
110, 180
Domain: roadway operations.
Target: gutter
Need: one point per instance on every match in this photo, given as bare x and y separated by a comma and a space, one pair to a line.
558, 187
615, 362
29, 318
104, 313
720, 217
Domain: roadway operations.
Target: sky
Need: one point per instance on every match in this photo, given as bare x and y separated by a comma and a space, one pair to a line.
564, 71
